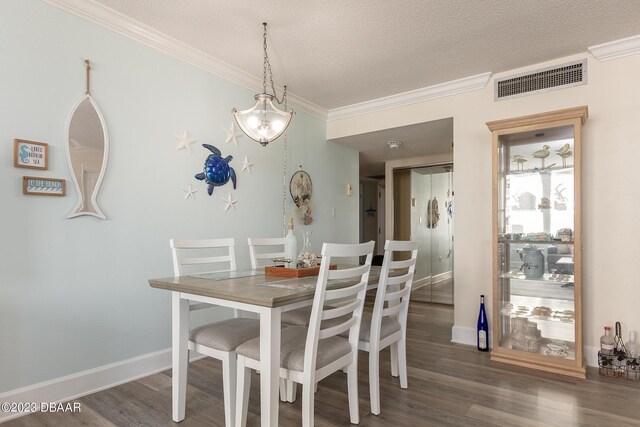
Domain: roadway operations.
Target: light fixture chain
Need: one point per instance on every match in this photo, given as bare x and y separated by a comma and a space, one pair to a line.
284, 187
267, 67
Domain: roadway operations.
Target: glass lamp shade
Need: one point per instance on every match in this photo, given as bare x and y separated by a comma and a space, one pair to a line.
263, 122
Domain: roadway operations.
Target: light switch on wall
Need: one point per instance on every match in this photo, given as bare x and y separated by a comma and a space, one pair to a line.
333, 212
349, 190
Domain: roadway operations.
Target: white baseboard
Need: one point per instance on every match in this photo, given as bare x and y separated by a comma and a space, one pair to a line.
467, 336
80, 384
463, 335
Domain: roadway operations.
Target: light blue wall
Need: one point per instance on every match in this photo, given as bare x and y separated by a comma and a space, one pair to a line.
74, 293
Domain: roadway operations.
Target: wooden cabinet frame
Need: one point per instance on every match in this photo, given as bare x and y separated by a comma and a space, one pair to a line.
569, 117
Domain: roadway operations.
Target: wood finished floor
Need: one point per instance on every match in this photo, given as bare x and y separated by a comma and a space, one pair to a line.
439, 293
448, 385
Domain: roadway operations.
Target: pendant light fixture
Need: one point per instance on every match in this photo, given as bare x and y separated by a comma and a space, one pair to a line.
264, 122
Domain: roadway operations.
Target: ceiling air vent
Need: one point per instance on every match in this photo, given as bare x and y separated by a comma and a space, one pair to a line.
544, 80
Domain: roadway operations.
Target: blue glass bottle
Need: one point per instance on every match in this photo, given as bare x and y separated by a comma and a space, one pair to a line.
483, 328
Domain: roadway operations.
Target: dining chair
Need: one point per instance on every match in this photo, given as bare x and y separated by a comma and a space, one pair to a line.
308, 355
271, 242
387, 326
219, 339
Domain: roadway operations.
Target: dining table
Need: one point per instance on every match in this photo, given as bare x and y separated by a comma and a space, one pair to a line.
249, 291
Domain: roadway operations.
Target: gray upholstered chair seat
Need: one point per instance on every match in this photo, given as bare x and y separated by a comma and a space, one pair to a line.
227, 334
389, 326
297, 317
293, 341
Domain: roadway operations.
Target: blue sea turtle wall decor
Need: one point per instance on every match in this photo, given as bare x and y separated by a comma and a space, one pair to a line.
217, 171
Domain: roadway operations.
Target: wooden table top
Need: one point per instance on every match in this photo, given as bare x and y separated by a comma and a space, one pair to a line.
260, 290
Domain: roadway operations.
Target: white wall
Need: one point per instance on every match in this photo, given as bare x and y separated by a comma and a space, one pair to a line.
611, 195
74, 293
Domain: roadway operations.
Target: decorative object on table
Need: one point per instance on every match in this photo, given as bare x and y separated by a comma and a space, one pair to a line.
184, 142
370, 211
542, 154
87, 152
433, 213
30, 154
217, 171
531, 256
246, 165
232, 134
483, 328
291, 245
306, 258
39, 186
190, 192
301, 188
264, 122
519, 160
564, 153
230, 202
281, 271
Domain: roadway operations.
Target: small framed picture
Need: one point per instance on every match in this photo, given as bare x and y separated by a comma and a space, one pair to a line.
39, 186
30, 154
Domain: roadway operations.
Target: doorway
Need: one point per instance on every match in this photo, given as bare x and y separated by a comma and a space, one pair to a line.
423, 212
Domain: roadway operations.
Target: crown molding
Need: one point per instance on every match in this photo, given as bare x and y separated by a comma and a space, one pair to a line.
453, 87
616, 49
121, 24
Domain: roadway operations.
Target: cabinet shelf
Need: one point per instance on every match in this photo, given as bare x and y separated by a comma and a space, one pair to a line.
532, 315
536, 242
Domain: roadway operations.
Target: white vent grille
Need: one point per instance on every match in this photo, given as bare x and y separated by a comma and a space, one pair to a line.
552, 78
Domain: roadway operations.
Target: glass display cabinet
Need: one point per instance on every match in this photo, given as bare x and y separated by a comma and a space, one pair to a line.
537, 280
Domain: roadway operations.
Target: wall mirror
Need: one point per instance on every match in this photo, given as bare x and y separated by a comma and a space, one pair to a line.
87, 145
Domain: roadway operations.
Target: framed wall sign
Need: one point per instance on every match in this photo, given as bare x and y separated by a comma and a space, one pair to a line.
39, 186
30, 154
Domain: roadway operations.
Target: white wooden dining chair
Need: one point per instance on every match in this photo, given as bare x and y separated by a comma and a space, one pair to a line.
387, 325
308, 355
258, 257
219, 339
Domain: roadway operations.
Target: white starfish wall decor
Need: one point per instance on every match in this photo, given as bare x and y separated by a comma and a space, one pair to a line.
184, 142
246, 165
190, 192
232, 134
230, 202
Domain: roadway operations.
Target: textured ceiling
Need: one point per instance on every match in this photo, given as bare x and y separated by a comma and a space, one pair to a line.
336, 52
428, 138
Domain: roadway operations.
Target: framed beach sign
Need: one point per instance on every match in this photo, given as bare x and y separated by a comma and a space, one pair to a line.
30, 154
39, 186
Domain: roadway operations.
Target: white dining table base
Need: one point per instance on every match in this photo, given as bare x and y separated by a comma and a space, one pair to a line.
269, 353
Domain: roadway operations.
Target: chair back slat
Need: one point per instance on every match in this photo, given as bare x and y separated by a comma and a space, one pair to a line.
337, 329
392, 310
205, 260
396, 290
351, 299
398, 280
334, 294
401, 264
339, 311
189, 252
258, 257
347, 273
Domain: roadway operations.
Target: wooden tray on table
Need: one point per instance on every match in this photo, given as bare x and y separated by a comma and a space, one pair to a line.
281, 271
